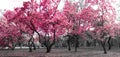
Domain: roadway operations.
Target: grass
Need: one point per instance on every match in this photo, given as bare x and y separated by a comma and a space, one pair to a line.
61, 52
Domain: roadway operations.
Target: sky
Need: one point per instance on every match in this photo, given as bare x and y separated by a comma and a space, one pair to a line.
10, 4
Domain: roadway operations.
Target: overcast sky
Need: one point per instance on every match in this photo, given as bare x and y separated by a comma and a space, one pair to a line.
10, 4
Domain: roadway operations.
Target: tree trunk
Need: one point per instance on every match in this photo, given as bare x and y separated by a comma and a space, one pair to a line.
87, 43
103, 45
30, 47
118, 45
68, 42
13, 46
49, 45
34, 47
48, 49
76, 43
109, 44
75, 47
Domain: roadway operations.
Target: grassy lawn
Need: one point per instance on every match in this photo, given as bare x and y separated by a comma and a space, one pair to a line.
61, 52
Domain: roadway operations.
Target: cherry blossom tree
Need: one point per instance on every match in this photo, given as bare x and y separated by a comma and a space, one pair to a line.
35, 17
104, 19
78, 24
9, 33
45, 19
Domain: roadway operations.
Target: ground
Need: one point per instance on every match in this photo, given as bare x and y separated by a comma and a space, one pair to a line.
61, 52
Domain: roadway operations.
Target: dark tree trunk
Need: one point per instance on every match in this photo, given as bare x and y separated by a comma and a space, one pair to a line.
68, 42
30, 47
49, 45
119, 45
13, 46
76, 43
30, 44
94, 42
87, 43
34, 47
103, 45
76, 47
48, 50
109, 44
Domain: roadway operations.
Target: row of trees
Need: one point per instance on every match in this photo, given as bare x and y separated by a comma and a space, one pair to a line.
45, 19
